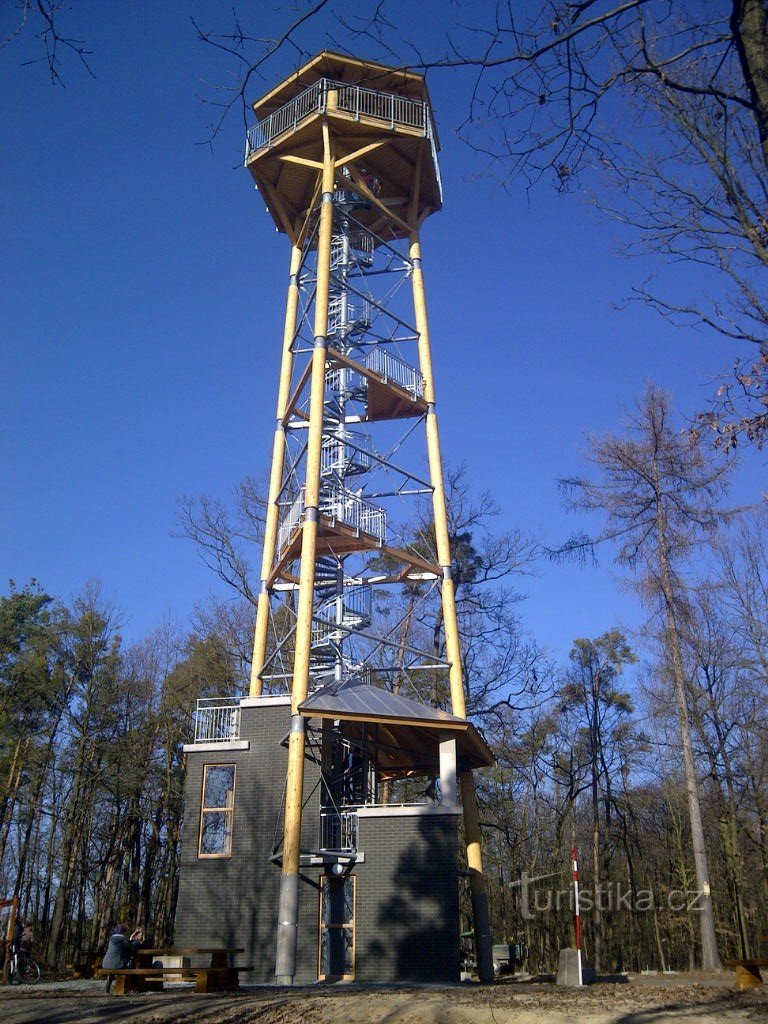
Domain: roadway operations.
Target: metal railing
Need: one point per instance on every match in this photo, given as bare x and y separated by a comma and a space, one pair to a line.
286, 118
339, 504
358, 251
355, 612
338, 830
290, 519
346, 380
393, 369
350, 99
351, 453
345, 317
383, 106
349, 508
217, 719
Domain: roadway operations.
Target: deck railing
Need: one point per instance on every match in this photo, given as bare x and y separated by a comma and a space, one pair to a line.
393, 369
356, 100
217, 719
338, 830
335, 503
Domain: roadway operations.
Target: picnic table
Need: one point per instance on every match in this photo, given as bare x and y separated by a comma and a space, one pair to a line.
748, 971
217, 974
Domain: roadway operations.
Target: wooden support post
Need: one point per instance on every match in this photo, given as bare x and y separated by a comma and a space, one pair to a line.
450, 621
276, 476
285, 962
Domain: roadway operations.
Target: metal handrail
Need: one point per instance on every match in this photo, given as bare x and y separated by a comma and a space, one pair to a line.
351, 453
356, 608
348, 317
350, 99
338, 830
358, 251
349, 508
384, 106
336, 503
393, 369
217, 719
285, 118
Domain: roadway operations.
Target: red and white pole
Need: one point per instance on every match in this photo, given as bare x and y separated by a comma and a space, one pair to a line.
576, 910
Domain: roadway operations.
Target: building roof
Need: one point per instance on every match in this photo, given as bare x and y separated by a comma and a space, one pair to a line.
402, 735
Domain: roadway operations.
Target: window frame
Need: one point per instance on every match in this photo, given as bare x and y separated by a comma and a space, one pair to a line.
349, 926
227, 811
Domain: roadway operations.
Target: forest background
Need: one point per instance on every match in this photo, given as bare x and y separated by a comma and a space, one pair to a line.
93, 714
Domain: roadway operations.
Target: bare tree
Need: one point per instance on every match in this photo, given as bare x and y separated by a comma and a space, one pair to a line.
597, 721
47, 23
658, 493
224, 535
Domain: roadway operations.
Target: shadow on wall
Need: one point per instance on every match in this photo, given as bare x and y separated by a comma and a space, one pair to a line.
418, 924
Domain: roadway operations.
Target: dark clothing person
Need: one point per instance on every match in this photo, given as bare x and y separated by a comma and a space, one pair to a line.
120, 951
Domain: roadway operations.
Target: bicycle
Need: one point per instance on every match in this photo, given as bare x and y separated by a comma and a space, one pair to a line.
21, 969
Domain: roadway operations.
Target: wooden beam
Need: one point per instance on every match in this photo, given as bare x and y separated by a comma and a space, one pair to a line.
413, 210
374, 200
280, 209
362, 151
307, 215
291, 406
303, 161
362, 716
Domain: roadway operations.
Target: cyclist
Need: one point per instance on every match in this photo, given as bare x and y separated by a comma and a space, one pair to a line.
25, 941
19, 965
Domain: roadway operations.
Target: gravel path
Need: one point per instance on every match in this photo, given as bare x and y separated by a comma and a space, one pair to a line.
642, 1000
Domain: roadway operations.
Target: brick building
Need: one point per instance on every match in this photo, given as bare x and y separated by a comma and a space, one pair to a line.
380, 883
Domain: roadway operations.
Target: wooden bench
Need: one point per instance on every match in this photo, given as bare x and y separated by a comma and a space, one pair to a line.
748, 971
148, 979
83, 966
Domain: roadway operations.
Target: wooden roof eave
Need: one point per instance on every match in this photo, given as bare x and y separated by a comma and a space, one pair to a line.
406, 747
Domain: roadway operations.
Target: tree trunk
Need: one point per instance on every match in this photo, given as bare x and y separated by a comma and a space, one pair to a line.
710, 958
749, 24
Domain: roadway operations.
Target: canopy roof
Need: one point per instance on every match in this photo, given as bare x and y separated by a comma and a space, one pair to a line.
402, 735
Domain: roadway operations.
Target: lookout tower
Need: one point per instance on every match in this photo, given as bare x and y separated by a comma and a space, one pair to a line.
356, 702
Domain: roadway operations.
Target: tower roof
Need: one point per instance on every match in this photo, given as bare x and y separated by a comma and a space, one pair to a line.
348, 70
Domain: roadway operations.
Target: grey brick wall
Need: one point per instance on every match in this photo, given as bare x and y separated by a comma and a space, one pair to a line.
408, 899
407, 912
233, 901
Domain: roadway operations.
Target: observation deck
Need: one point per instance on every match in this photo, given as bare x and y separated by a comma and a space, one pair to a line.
381, 130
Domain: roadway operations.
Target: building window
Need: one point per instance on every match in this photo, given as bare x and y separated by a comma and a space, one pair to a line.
337, 928
217, 810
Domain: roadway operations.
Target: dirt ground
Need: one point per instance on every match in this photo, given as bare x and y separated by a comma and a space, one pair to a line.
685, 999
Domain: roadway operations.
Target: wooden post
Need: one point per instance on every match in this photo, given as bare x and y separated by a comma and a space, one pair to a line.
285, 961
458, 704
276, 475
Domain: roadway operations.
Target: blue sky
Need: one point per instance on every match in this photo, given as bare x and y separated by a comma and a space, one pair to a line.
142, 291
